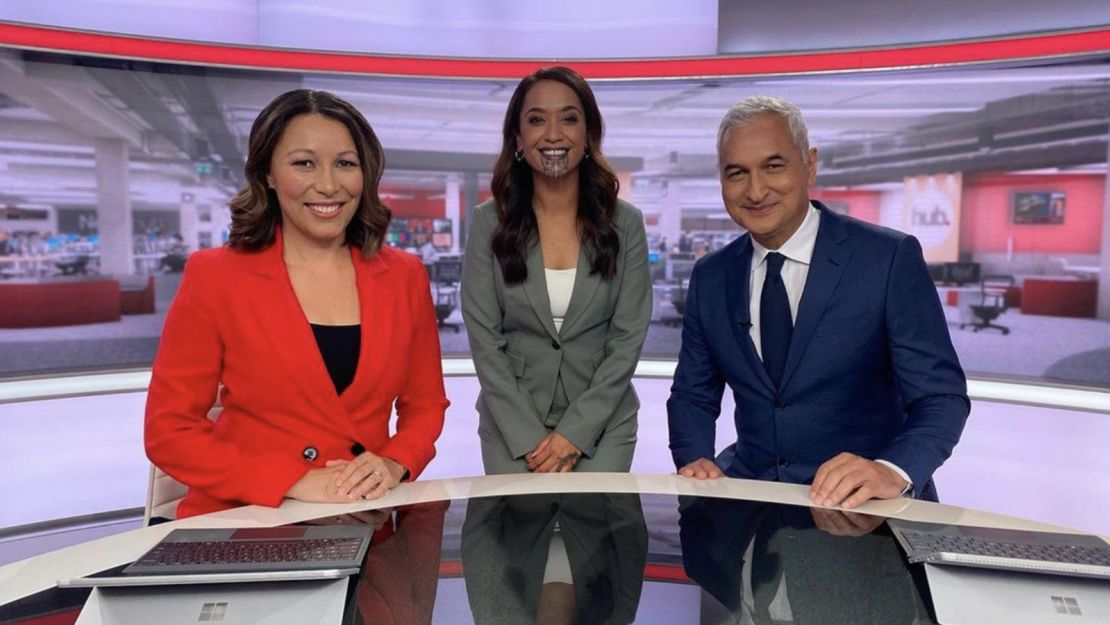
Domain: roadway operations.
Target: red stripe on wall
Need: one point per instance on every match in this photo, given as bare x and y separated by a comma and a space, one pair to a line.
68, 617
450, 568
126, 46
665, 573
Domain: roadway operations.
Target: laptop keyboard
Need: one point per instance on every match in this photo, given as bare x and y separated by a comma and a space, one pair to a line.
251, 552
924, 543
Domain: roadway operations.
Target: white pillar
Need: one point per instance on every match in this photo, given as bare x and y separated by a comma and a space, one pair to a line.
670, 215
1104, 249
452, 203
470, 200
113, 207
189, 221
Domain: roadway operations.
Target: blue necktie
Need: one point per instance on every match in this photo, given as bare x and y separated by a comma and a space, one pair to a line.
775, 324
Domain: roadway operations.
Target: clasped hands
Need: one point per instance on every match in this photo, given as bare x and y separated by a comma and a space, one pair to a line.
553, 454
847, 480
367, 476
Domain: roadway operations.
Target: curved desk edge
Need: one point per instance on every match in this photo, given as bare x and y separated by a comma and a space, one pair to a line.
26, 577
134, 381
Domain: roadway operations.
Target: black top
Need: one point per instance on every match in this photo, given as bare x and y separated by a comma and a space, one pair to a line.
339, 345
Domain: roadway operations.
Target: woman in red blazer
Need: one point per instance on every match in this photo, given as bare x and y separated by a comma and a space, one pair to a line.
313, 329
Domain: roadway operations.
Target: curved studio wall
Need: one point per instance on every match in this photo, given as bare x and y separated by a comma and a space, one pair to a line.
111, 145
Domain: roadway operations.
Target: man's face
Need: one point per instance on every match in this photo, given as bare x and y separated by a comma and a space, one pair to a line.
765, 179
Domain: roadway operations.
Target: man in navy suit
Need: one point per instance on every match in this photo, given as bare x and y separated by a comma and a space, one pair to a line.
828, 330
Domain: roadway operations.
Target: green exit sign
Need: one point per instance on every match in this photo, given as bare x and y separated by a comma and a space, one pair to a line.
203, 169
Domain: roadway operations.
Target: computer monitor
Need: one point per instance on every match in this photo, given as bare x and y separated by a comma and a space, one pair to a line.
441, 240
447, 271
681, 269
961, 273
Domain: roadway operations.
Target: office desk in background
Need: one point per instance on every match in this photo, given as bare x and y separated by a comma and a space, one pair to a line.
653, 548
1059, 296
59, 302
958, 300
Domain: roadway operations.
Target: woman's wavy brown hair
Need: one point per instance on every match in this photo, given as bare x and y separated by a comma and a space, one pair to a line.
255, 213
512, 185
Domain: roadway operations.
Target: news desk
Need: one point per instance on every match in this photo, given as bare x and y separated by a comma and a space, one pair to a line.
634, 548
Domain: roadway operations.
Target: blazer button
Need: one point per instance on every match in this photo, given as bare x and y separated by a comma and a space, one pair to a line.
783, 463
555, 345
309, 453
780, 404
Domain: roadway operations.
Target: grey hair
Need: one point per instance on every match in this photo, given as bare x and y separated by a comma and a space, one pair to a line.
751, 107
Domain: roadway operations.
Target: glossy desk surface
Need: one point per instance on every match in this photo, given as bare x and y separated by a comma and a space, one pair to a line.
639, 548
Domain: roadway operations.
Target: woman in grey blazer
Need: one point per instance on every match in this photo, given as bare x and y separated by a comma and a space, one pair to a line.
556, 290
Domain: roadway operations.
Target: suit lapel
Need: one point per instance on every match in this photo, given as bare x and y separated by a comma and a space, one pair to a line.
377, 302
535, 287
585, 287
739, 307
293, 342
830, 257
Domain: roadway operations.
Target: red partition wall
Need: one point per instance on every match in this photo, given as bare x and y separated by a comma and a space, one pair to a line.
987, 224
862, 204
64, 302
414, 202
423, 203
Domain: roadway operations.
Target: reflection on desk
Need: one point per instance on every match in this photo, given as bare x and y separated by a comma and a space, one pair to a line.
478, 550
574, 557
764, 563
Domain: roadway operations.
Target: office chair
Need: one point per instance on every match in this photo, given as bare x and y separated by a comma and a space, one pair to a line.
993, 291
163, 493
79, 265
446, 275
678, 300
172, 262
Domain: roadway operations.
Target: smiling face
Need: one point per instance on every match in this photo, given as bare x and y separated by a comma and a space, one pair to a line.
552, 132
765, 179
315, 173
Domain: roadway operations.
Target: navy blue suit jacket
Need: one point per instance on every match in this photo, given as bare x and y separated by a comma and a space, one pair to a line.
870, 369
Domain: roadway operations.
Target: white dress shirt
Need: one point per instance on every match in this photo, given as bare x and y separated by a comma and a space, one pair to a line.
798, 250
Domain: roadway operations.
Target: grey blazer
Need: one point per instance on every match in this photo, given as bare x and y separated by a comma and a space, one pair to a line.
535, 380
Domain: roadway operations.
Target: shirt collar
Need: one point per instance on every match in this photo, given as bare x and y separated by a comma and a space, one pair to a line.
799, 247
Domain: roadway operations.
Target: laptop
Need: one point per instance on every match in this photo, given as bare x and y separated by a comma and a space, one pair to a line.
1010, 576
305, 602
968, 596
252, 576
1075, 555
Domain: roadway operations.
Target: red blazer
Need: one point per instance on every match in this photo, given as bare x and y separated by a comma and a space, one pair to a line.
236, 321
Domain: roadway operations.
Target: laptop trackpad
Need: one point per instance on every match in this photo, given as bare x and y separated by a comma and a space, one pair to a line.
972, 596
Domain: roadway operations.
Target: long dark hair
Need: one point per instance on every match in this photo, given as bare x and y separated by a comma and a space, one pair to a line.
512, 185
255, 213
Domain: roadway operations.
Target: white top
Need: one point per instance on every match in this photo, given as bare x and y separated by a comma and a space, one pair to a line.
560, 284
